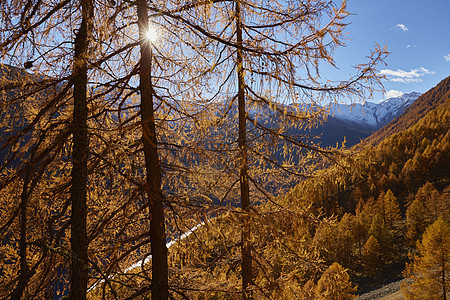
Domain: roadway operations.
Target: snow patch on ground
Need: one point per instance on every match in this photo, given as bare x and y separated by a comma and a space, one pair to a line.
168, 245
147, 259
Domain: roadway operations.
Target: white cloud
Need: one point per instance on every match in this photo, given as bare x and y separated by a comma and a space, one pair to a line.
411, 46
401, 27
392, 94
406, 80
402, 76
447, 57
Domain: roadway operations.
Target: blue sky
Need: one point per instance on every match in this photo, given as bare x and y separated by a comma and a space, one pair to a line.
416, 33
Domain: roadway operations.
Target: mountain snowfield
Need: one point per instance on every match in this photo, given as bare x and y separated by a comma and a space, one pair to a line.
349, 123
374, 115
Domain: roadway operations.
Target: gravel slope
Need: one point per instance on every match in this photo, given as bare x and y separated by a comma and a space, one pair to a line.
384, 292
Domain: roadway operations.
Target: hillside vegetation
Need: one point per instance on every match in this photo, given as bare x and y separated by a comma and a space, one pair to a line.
426, 103
359, 220
173, 150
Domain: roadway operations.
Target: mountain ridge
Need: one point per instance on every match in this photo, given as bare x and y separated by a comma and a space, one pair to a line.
374, 114
352, 123
427, 102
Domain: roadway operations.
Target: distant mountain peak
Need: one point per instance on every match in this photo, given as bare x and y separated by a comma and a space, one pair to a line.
405, 97
373, 115
424, 104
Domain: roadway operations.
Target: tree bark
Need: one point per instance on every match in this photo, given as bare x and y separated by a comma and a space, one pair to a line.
443, 260
24, 270
79, 239
159, 285
247, 278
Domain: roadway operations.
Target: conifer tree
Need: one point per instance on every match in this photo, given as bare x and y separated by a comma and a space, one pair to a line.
242, 40
430, 270
308, 291
416, 221
434, 205
359, 233
335, 284
428, 205
38, 19
391, 209
79, 237
346, 239
326, 239
268, 76
379, 231
372, 254
159, 285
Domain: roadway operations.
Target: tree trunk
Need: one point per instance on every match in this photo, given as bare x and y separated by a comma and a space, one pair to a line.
247, 279
444, 283
79, 239
24, 270
159, 286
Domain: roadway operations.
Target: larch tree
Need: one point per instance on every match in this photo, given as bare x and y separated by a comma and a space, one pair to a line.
79, 237
159, 285
428, 205
430, 270
389, 208
416, 221
431, 198
40, 137
163, 104
372, 254
251, 60
47, 147
383, 236
335, 284
106, 53
273, 54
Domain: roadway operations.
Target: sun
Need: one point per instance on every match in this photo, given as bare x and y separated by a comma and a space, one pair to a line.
151, 35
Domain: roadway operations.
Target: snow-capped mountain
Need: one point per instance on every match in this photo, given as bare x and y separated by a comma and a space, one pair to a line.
356, 122
373, 115
349, 122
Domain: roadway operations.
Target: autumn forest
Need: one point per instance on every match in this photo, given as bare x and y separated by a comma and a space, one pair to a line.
164, 150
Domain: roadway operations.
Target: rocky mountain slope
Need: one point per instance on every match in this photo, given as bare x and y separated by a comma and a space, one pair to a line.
371, 114
355, 122
424, 104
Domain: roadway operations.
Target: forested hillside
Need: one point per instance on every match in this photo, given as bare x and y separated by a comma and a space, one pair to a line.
427, 102
163, 150
336, 234
366, 214
347, 229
